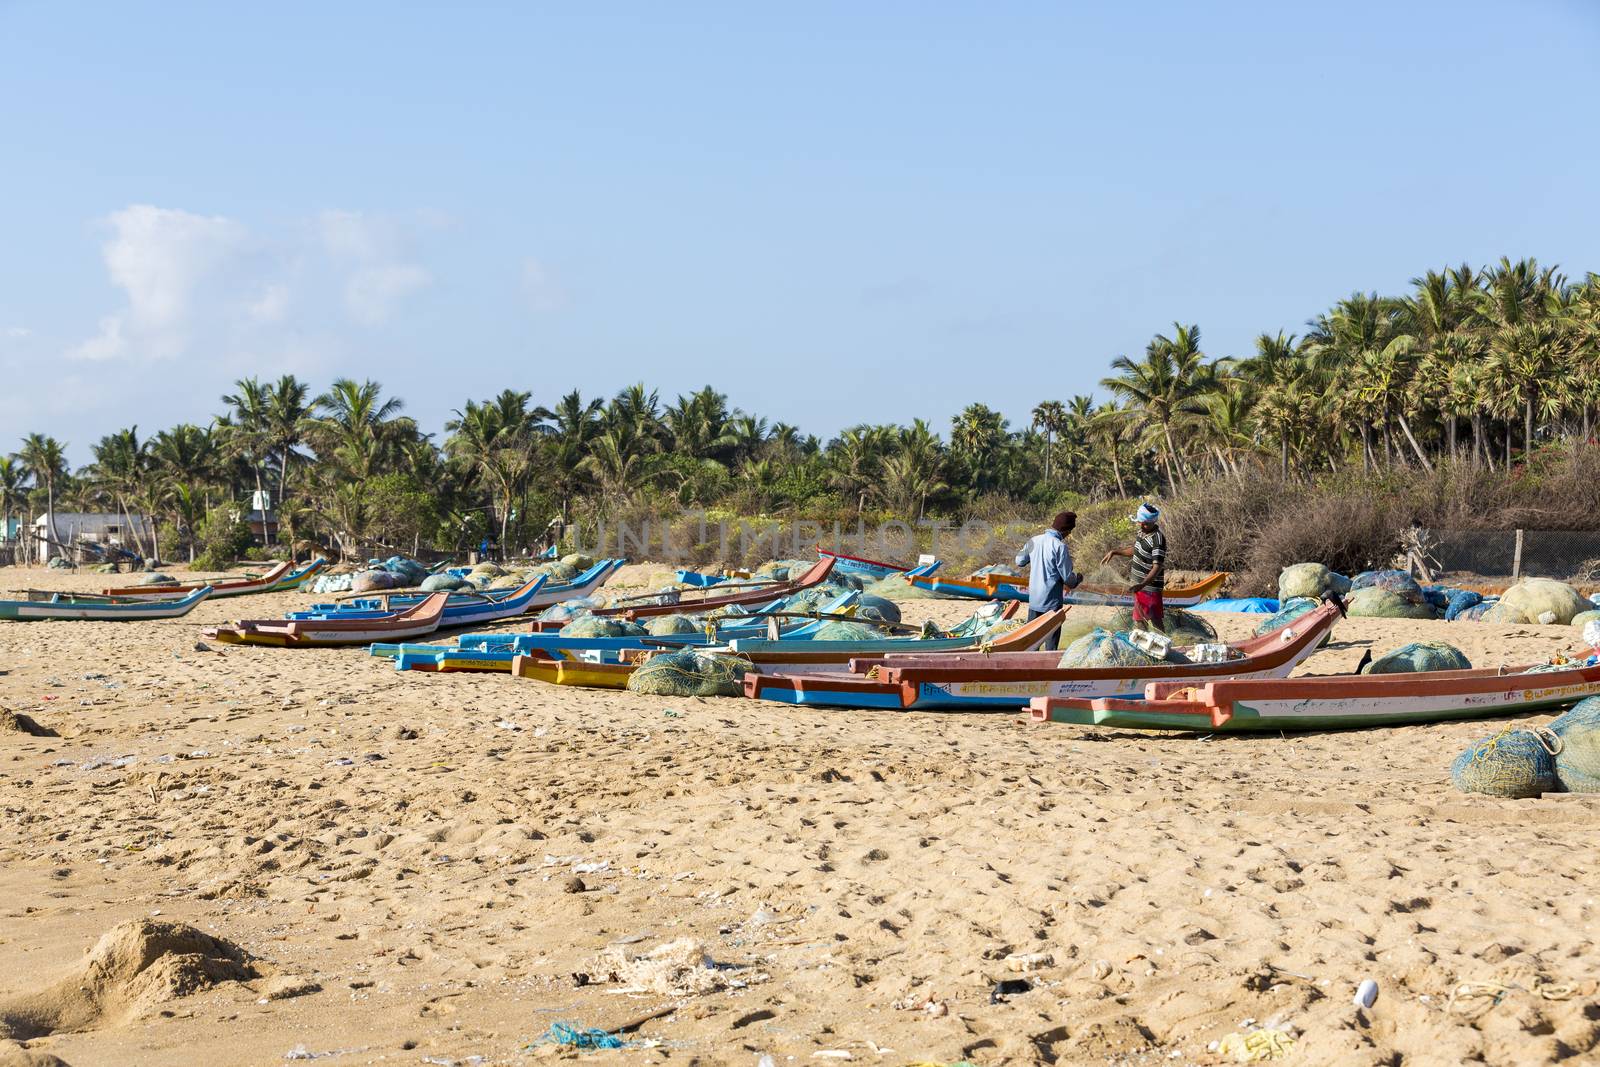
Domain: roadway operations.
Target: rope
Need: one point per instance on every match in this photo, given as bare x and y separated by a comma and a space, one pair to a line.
1472, 991
562, 1033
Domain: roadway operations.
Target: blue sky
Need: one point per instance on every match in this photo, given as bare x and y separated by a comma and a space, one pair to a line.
835, 212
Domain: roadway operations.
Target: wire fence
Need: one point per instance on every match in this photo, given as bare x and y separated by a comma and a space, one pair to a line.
1567, 555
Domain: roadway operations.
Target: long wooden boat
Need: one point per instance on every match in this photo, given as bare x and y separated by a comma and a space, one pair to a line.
1010, 587
460, 609
550, 594
415, 621
280, 576
494, 652
764, 594
572, 672
102, 610
872, 568
781, 656
1011, 680
1330, 703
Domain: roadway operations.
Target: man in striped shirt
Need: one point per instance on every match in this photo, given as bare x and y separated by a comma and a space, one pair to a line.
1148, 572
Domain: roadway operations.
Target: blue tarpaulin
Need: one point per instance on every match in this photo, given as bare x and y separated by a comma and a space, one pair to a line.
1249, 605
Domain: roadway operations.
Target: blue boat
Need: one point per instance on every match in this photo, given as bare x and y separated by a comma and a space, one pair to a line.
460, 609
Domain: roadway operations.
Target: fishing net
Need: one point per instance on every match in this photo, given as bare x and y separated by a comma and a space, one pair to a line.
1290, 611
669, 625
996, 568
849, 579
1397, 582
1503, 613
1185, 628
577, 561
371, 581
486, 570
157, 579
1102, 648
1375, 602
1512, 763
1583, 617
594, 626
1539, 597
1310, 580
568, 610
506, 581
1460, 601
1578, 759
778, 569
689, 674
1475, 613
897, 587
877, 607
435, 583
1420, 656
409, 570
845, 631
558, 571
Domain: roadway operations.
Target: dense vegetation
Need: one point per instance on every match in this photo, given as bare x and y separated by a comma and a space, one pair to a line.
1474, 371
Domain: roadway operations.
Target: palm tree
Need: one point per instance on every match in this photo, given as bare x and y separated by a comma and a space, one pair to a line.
358, 429
120, 470
13, 491
46, 461
247, 433
1161, 388
1049, 416
854, 457
495, 439
575, 423
285, 424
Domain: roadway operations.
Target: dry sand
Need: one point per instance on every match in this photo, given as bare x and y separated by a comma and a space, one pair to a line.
241, 855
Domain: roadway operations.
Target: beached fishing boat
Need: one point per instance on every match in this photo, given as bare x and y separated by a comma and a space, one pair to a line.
871, 568
674, 602
461, 609
577, 672
102, 610
280, 576
1009, 587
1331, 702
415, 621
494, 652
551, 593
807, 656
1009, 681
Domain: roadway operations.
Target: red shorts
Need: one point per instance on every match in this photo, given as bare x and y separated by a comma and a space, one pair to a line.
1147, 606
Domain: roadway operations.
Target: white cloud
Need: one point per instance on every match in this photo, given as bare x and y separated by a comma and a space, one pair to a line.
18, 331
107, 344
159, 255
373, 293
271, 304
541, 288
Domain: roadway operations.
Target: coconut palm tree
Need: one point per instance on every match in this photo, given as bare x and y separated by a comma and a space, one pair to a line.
46, 461
121, 471
573, 424
1051, 417
247, 431
13, 491
1160, 388
287, 410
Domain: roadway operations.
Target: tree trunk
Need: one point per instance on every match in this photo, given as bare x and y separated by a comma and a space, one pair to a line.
1422, 457
1047, 450
1527, 428
1283, 454
1116, 468
1450, 431
1368, 460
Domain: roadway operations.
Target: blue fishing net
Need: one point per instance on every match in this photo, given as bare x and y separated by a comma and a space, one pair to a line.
1512, 763
1460, 601
562, 1033
1420, 656
1578, 760
592, 626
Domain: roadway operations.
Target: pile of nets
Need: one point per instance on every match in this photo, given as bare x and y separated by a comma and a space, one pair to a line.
1512, 763
1185, 628
1539, 600
1475, 612
1290, 611
1103, 648
672, 625
877, 607
435, 583
1420, 656
691, 673
1377, 602
1578, 755
846, 631
1399, 583
157, 579
897, 587
568, 610
1459, 601
595, 626
1310, 580
396, 572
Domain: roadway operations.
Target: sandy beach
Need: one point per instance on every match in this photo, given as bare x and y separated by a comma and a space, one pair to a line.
408, 868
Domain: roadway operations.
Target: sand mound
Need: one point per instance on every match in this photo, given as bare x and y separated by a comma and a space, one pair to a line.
135, 966
12, 1055
17, 722
679, 968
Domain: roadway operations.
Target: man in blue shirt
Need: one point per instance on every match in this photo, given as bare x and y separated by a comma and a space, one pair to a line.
1049, 564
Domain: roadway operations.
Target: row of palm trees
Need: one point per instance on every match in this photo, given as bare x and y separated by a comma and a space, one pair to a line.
1471, 366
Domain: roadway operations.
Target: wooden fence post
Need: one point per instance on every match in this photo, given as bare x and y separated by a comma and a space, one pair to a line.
1516, 559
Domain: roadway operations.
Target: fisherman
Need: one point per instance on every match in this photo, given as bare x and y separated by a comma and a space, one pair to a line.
1049, 564
1148, 572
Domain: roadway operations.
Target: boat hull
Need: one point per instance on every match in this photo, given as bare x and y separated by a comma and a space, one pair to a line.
101, 611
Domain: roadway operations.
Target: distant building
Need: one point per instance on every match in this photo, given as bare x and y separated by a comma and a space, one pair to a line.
73, 528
